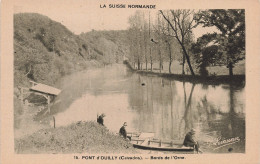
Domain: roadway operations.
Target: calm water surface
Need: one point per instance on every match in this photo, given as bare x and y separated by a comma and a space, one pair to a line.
153, 104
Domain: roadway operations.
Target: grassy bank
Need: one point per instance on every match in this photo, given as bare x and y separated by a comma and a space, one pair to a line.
81, 137
238, 80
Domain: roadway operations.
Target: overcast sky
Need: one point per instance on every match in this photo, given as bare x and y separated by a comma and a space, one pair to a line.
79, 17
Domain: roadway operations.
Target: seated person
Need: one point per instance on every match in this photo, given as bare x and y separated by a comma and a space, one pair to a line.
100, 119
122, 131
189, 140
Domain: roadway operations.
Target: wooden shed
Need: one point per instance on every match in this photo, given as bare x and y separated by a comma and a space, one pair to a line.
41, 89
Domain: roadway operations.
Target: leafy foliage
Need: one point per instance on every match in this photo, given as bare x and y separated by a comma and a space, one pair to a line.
109, 46
231, 40
45, 50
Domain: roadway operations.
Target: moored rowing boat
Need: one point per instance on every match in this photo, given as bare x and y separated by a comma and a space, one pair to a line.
149, 143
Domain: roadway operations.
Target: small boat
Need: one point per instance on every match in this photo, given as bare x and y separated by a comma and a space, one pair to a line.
147, 142
150, 144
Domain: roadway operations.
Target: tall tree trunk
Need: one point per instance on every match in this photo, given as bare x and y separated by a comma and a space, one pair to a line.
188, 60
150, 49
151, 59
159, 51
183, 62
146, 64
162, 64
170, 64
138, 64
170, 56
160, 58
230, 67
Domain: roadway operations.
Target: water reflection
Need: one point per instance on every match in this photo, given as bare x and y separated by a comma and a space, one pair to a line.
154, 104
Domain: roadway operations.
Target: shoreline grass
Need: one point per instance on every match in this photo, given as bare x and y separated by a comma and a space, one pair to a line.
238, 80
80, 137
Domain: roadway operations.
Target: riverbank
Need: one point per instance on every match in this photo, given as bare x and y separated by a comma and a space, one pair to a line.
80, 137
34, 132
30, 115
238, 80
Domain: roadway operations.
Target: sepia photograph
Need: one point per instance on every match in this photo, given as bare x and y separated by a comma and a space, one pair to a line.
129, 81
168, 81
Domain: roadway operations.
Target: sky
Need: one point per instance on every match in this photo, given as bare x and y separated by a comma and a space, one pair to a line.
83, 17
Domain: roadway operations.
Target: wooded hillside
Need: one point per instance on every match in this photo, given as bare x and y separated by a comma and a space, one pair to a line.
112, 45
45, 50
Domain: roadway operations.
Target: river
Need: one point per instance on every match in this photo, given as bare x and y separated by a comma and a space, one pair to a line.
166, 107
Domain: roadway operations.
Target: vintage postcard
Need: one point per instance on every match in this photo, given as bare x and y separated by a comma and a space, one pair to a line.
130, 81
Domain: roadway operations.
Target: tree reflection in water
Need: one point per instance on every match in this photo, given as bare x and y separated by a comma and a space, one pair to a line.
154, 104
163, 109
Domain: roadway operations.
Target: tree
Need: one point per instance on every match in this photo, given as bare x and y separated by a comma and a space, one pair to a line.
231, 24
206, 52
158, 42
145, 39
136, 39
150, 45
163, 31
182, 22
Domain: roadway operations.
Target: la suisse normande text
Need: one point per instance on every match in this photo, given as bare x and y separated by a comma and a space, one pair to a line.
127, 6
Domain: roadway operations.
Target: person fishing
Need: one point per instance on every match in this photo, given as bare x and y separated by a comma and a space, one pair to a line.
100, 119
190, 141
122, 131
